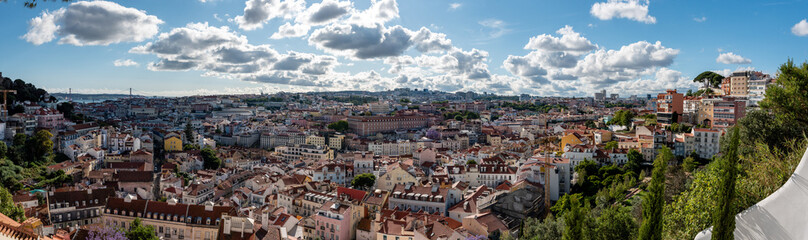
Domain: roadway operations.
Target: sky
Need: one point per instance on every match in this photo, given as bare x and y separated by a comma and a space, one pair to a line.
536, 47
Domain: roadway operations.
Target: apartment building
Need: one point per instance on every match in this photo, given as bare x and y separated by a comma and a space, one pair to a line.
428, 199
706, 142
670, 107
170, 219
370, 125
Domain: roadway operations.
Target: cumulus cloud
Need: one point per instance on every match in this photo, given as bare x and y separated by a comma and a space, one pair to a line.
427, 41
221, 52
636, 10
92, 23
124, 63
454, 6
700, 19
801, 28
380, 12
362, 42
288, 30
732, 58
258, 12
325, 12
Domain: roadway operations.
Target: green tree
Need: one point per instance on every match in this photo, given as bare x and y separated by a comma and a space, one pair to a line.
724, 216
189, 132
9, 208
66, 108
623, 118
575, 220
3, 149
634, 161
787, 98
364, 181
209, 159
548, 229
42, 144
689, 164
711, 77
138, 231
471, 162
339, 126
615, 222
653, 202
610, 145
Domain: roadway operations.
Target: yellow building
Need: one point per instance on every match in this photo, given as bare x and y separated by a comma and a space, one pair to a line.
570, 139
173, 143
396, 174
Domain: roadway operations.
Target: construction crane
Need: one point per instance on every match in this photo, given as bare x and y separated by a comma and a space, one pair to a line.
5, 104
5, 97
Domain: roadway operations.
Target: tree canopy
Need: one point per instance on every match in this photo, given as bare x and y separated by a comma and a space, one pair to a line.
622, 118
9, 208
209, 158
138, 231
709, 76
364, 181
339, 126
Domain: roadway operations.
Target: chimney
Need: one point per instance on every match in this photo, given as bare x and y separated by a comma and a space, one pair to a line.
172, 201
227, 223
209, 206
89, 191
264, 219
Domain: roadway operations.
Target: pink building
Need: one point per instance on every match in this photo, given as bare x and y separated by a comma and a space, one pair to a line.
48, 118
333, 221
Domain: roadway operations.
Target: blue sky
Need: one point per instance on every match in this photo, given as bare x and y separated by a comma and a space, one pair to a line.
579, 47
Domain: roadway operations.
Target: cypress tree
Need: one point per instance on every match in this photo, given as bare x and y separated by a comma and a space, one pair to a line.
724, 215
653, 203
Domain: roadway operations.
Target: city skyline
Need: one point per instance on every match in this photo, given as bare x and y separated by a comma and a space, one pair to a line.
512, 48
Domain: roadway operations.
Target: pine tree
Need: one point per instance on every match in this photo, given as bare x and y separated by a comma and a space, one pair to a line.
724, 216
653, 203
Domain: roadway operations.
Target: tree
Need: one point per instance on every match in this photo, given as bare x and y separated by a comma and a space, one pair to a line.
138, 231
724, 217
653, 202
548, 229
9, 208
66, 108
364, 181
787, 98
339, 126
405, 100
634, 161
42, 144
622, 117
575, 220
711, 77
209, 159
470, 162
615, 222
610, 145
3, 149
689, 164
189, 132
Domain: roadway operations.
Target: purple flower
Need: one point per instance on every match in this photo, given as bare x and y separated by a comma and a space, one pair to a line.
105, 233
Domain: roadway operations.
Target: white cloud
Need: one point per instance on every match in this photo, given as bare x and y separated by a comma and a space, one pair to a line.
801, 28
570, 41
258, 12
325, 12
92, 23
497, 27
380, 12
732, 58
636, 10
288, 30
124, 63
700, 19
454, 6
